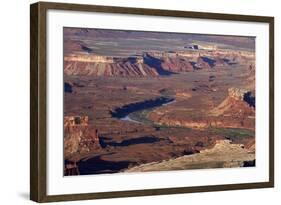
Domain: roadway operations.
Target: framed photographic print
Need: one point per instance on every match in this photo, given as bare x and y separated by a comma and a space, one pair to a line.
134, 102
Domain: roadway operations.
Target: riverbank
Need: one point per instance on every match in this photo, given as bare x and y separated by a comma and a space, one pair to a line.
125, 110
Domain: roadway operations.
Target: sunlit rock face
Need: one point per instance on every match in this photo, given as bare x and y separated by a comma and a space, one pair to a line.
237, 110
149, 64
243, 95
96, 65
236, 93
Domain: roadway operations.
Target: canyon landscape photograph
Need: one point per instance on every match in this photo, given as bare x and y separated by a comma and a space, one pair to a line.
143, 101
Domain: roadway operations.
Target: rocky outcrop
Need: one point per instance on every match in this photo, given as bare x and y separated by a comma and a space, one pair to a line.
107, 66
236, 93
236, 111
177, 64
251, 76
223, 154
172, 61
78, 137
71, 168
147, 64
205, 62
216, 62
239, 102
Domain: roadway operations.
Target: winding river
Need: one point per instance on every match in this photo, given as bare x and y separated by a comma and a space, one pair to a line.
136, 112
129, 119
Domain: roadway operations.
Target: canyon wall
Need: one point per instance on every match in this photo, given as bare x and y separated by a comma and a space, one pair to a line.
78, 136
152, 63
107, 66
236, 111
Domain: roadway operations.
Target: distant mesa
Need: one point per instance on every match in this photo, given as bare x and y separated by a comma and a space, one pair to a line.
162, 67
97, 65
148, 64
201, 47
71, 121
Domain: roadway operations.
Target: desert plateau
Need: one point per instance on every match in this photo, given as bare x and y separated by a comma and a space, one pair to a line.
137, 101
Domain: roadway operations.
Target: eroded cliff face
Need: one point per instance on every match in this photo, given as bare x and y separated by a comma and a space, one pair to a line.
78, 137
107, 66
177, 65
148, 64
236, 104
236, 111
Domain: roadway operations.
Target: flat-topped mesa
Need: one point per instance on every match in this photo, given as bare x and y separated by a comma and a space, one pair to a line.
168, 61
97, 65
222, 53
182, 61
152, 63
